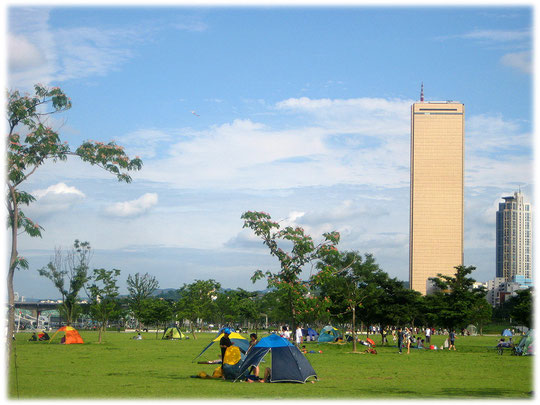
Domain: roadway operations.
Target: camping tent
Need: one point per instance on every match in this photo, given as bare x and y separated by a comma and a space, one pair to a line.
329, 334
236, 338
71, 335
232, 362
172, 332
506, 332
525, 345
288, 362
471, 329
310, 334
229, 369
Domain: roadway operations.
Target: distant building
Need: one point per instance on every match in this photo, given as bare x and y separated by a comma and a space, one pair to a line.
500, 290
514, 239
436, 205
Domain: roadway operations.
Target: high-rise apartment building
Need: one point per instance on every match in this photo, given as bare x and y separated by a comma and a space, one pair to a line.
514, 238
436, 211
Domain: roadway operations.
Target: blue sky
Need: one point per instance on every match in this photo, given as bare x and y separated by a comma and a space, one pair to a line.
302, 112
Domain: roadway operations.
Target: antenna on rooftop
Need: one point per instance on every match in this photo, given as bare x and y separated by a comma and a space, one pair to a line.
422, 92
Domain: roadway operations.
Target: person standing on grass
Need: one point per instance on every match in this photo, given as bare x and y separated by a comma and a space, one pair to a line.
408, 338
299, 336
428, 336
225, 342
400, 335
452, 338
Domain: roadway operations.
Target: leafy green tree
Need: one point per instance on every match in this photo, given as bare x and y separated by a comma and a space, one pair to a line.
69, 274
139, 288
522, 308
29, 144
296, 292
397, 305
455, 301
157, 312
244, 306
273, 305
481, 312
359, 289
197, 301
344, 279
103, 293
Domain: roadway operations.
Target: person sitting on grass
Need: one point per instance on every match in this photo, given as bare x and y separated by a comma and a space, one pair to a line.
44, 336
266, 379
254, 369
33, 338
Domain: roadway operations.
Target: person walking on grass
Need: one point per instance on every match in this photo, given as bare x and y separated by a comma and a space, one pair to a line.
452, 338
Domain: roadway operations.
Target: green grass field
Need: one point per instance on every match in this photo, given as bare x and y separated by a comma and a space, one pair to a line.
159, 369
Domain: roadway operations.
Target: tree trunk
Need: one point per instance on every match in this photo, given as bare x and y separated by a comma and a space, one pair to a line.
14, 214
354, 328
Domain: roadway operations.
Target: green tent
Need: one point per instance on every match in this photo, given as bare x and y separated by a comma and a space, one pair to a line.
329, 334
525, 345
172, 332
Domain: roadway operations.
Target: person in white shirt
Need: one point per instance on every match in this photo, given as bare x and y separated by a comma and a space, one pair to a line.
299, 337
428, 336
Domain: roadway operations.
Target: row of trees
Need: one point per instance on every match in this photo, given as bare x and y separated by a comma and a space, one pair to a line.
344, 288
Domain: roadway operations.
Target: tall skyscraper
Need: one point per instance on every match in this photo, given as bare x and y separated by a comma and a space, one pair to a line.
437, 165
514, 239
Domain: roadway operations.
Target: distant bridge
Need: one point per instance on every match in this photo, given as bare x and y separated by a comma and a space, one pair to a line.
37, 308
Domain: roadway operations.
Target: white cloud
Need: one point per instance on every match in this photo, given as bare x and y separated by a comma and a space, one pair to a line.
489, 133
369, 116
522, 61
144, 142
355, 141
133, 208
504, 39
56, 198
498, 35
23, 54
58, 189
498, 152
63, 53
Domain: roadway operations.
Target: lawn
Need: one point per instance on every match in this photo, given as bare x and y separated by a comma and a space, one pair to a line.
159, 369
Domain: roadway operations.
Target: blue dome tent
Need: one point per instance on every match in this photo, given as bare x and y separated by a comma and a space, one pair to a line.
288, 362
310, 334
506, 332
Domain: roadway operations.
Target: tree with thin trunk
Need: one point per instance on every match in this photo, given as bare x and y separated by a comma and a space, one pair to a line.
30, 143
69, 274
197, 301
103, 293
303, 252
139, 288
348, 280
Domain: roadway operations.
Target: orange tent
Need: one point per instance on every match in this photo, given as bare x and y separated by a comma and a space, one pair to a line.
71, 335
